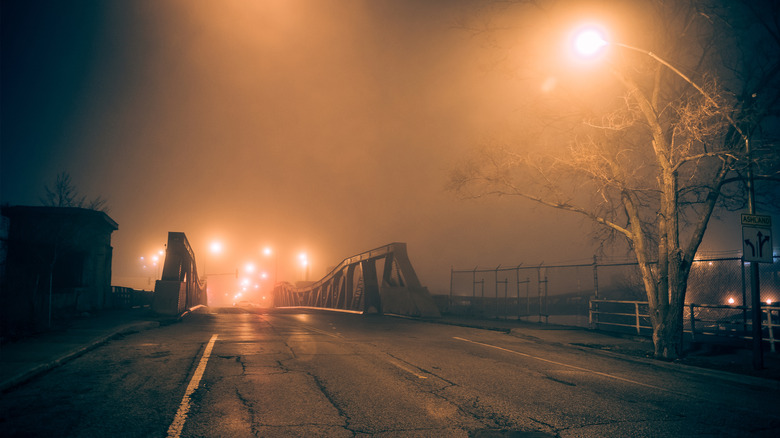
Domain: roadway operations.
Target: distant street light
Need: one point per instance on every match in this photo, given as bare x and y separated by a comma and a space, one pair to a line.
304, 265
269, 252
588, 42
152, 265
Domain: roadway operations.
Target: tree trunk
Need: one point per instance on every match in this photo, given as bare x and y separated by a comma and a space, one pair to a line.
667, 319
667, 334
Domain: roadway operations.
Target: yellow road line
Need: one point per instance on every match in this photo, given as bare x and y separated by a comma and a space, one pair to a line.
174, 431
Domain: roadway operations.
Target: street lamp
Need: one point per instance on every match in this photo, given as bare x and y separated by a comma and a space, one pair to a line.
215, 247
304, 265
269, 252
589, 42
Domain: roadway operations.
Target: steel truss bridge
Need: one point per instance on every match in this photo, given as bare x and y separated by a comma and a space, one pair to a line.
381, 280
179, 288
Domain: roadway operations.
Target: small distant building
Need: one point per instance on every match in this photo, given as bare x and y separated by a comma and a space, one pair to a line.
53, 261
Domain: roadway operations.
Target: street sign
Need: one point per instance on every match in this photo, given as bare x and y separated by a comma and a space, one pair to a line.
756, 238
756, 220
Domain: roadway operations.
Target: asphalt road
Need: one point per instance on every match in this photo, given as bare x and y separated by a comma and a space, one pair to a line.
238, 374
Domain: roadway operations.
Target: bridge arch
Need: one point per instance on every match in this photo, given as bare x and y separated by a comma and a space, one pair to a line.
381, 280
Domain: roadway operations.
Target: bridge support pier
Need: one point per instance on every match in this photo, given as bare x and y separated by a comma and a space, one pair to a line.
179, 288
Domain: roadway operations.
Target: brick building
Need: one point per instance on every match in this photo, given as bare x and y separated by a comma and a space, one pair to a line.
55, 262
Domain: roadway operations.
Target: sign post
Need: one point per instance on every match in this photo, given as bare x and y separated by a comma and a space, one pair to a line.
756, 248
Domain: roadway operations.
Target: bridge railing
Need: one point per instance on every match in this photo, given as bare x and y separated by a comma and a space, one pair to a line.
381, 280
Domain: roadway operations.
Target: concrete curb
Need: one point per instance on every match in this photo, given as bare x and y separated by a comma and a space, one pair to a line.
690, 369
76, 352
190, 311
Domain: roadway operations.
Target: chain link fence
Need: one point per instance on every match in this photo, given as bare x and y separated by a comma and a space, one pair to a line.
560, 293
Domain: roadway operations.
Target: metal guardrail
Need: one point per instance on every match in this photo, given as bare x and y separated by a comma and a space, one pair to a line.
732, 321
702, 319
126, 298
638, 320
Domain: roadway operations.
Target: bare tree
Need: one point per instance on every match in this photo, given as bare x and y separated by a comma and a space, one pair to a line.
653, 167
66, 194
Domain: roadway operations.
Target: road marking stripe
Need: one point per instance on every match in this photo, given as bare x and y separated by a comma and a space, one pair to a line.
408, 369
184, 407
322, 332
611, 376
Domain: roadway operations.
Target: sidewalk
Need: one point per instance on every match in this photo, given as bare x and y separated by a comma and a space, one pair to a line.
26, 358
729, 363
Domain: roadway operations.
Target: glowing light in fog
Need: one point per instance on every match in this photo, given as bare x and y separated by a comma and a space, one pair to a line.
589, 42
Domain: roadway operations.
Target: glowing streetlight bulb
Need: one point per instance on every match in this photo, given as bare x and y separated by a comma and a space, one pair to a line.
216, 247
731, 300
588, 42
250, 267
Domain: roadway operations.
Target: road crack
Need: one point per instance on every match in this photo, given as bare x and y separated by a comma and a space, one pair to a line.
250, 408
342, 413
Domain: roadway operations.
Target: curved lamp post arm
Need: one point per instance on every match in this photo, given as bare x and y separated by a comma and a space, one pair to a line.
751, 194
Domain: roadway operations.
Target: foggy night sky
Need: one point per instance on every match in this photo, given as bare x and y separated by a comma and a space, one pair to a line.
320, 126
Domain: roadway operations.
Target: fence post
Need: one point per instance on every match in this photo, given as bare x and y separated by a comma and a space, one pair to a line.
497, 312
744, 295
449, 305
482, 285
693, 325
770, 326
636, 311
517, 275
591, 304
595, 277
473, 286
539, 287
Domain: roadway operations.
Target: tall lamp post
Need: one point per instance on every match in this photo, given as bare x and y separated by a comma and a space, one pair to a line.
269, 252
589, 42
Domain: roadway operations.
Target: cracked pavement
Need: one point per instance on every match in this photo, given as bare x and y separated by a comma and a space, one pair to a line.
343, 375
